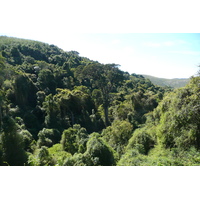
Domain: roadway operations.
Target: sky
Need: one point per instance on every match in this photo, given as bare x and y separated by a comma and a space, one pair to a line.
110, 31
141, 38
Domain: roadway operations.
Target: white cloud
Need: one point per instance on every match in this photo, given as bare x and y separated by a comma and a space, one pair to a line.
168, 43
186, 52
117, 41
182, 42
152, 65
159, 44
152, 44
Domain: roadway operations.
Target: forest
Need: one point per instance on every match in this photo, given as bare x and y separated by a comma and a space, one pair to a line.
174, 83
60, 109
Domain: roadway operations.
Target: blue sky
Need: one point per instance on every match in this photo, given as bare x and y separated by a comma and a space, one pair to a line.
163, 55
133, 34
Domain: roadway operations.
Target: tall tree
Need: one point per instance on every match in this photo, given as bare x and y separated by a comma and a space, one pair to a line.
46, 80
25, 91
51, 107
12, 144
106, 78
2, 67
99, 152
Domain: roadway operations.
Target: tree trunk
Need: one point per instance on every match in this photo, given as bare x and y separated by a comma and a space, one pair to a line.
106, 115
72, 117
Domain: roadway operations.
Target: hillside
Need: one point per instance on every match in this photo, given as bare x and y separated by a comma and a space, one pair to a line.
58, 108
174, 83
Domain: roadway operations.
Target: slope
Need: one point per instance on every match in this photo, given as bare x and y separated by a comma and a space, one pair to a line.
174, 83
59, 108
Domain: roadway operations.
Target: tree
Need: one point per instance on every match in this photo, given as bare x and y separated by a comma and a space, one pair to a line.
12, 144
68, 140
16, 55
74, 139
73, 59
74, 105
51, 107
117, 135
177, 117
58, 154
46, 81
77, 159
48, 137
141, 140
24, 90
99, 152
28, 140
81, 138
2, 67
41, 157
106, 78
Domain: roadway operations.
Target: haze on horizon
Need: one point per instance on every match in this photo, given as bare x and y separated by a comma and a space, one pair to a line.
108, 38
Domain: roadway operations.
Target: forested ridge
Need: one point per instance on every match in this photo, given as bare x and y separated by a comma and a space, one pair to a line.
174, 83
60, 109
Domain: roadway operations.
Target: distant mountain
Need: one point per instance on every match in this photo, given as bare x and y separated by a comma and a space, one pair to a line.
60, 109
175, 82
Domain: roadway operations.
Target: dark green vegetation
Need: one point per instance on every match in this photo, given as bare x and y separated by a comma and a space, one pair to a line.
57, 108
174, 83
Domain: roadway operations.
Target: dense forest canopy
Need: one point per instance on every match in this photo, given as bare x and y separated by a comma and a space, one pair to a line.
58, 108
174, 83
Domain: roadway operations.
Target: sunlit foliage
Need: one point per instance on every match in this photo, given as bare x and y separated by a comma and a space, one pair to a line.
60, 109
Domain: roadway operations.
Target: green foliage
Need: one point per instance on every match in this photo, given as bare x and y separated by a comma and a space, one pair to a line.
117, 135
77, 159
1, 83
51, 107
174, 126
74, 139
13, 152
132, 158
174, 83
58, 155
2, 67
106, 78
1, 154
75, 106
63, 109
141, 140
136, 97
24, 91
99, 152
46, 81
48, 137
179, 117
68, 140
28, 140
160, 156
41, 157
81, 138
